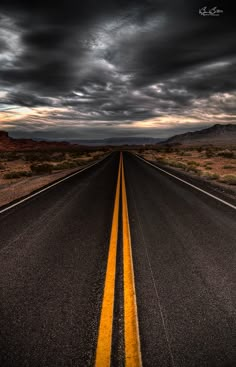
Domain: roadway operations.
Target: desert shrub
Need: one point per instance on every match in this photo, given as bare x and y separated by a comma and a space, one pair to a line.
226, 154
140, 151
17, 174
2, 166
61, 166
181, 165
211, 176
228, 179
41, 156
178, 164
210, 153
176, 150
208, 167
193, 163
187, 154
29, 157
228, 167
37, 157
41, 168
9, 156
65, 165
192, 169
163, 160
77, 154
58, 157
214, 176
79, 163
168, 149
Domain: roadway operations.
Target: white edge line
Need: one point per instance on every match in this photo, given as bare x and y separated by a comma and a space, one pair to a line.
49, 187
187, 183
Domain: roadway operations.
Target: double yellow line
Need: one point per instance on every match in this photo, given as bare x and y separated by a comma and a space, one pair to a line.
131, 331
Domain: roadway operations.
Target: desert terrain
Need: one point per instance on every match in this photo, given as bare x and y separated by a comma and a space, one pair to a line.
26, 166
218, 163
209, 154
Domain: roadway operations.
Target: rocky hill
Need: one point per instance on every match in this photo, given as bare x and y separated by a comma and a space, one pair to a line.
216, 134
9, 144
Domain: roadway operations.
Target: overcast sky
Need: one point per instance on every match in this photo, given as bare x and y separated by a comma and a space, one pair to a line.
106, 68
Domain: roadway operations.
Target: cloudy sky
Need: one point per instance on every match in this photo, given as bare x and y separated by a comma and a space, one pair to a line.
111, 68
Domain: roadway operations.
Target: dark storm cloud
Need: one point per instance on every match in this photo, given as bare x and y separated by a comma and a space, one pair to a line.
117, 61
26, 100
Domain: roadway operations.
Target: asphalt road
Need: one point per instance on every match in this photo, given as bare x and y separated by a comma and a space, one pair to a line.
53, 266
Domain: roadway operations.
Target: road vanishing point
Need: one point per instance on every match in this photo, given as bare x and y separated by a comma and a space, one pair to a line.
122, 264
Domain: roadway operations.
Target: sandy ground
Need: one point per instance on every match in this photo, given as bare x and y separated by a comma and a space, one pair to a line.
215, 164
14, 189
213, 169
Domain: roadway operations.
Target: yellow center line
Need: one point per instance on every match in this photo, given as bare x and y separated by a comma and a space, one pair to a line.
131, 330
103, 351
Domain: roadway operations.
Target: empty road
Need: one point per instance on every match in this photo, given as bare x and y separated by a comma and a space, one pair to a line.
119, 265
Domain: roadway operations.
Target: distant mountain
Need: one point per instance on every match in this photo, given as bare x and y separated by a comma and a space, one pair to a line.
118, 141
216, 134
10, 144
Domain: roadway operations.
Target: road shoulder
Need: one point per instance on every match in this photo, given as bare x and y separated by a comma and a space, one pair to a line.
29, 186
224, 192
